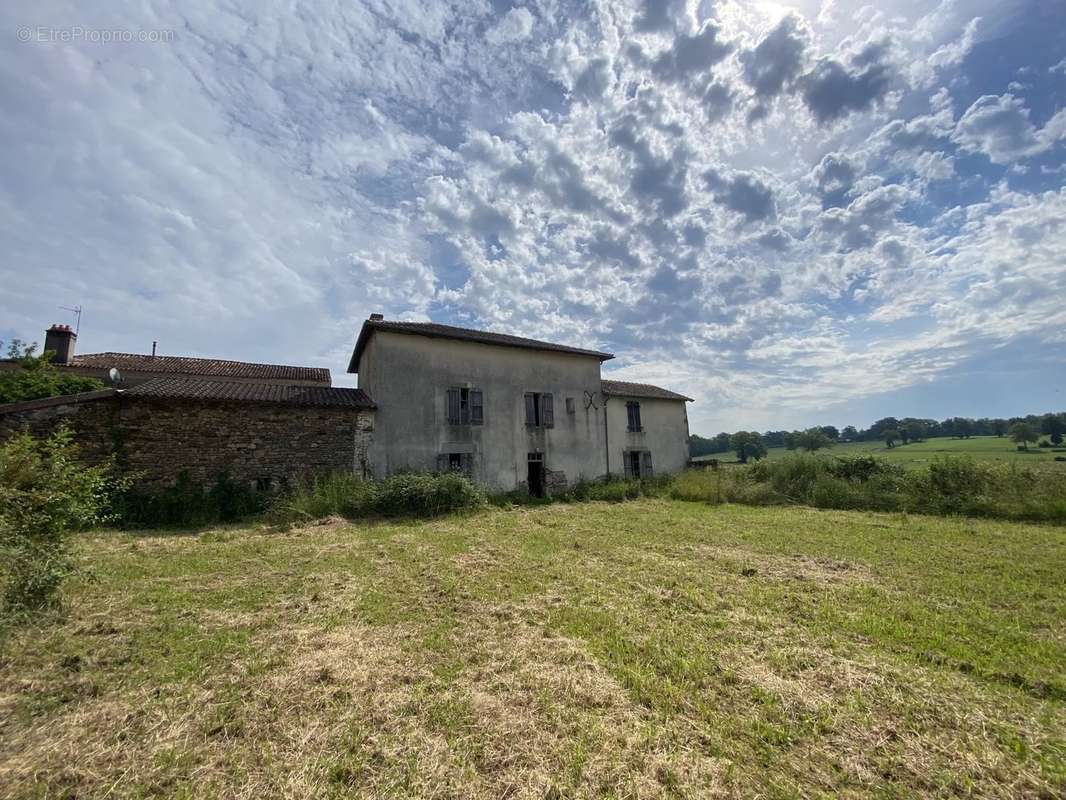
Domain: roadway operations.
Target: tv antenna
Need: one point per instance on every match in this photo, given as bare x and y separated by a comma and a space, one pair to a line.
77, 311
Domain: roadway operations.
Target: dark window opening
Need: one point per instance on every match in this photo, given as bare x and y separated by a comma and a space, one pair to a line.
455, 462
539, 410
569, 405
465, 406
633, 414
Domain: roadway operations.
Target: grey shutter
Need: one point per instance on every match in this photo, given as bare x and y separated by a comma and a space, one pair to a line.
627, 462
453, 406
547, 413
645, 465
442, 462
531, 410
477, 412
633, 413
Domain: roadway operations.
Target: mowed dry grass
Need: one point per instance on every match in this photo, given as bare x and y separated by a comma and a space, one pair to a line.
646, 649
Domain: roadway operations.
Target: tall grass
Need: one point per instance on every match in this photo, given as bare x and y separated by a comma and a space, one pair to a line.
347, 495
946, 486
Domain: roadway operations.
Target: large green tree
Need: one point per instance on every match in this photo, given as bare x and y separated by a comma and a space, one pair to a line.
813, 439
913, 431
1022, 433
747, 444
1054, 426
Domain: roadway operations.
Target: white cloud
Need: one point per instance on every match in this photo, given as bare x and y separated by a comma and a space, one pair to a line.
1000, 128
515, 26
744, 206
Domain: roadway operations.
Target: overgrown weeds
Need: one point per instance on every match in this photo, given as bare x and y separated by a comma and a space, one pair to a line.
416, 494
46, 495
188, 503
947, 486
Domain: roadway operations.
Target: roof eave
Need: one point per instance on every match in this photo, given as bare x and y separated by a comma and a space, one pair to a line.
367, 329
360, 345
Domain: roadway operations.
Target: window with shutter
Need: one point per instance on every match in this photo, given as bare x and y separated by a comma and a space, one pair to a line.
477, 409
547, 412
645, 465
464, 406
531, 409
633, 412
452, 411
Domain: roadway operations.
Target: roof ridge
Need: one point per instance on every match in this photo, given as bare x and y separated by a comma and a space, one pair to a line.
194, 358
441, 330
638, 389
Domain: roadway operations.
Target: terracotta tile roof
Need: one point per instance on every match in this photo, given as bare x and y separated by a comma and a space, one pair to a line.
627, 389
434, 330
208, 367
236, 391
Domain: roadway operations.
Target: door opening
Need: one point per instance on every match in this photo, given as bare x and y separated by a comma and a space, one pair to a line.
535, 474
634, 463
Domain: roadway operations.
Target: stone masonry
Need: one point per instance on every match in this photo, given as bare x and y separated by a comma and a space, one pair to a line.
155, 439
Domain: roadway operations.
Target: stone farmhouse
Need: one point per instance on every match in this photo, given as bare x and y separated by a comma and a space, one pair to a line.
510, 412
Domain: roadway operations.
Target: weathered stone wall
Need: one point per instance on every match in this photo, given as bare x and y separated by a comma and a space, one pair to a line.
255, 443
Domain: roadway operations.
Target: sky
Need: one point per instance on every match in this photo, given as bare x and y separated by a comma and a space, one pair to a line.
796, 213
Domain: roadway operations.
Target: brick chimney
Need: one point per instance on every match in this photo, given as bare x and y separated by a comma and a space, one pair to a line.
60, 340
377, 317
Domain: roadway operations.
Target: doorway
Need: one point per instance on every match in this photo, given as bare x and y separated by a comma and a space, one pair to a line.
633, 464
535, 474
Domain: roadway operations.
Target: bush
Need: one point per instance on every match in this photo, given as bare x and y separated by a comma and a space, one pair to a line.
424, 494
46, 495
188, 503
341, 493
36, 377
347, 495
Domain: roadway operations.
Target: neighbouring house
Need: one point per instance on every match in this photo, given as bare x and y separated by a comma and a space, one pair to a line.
136, 368
510, 412
262, 424
513, 413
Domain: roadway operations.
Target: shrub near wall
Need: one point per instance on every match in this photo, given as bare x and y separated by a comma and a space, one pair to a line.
46, 495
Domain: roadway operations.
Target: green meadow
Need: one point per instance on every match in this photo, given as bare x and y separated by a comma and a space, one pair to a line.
985, 448
647, 649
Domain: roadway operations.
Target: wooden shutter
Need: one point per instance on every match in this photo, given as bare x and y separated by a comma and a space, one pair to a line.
633, 413
442, 462
531, 409
627, 463
645, 465
453, 407
477, 412
547, 413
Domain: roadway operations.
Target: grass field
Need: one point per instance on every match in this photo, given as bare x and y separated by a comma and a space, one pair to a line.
990, 448
646, 649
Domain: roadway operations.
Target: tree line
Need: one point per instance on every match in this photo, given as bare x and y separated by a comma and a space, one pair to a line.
890, 430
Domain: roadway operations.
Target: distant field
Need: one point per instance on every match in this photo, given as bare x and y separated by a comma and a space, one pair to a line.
651, 649
991, 448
